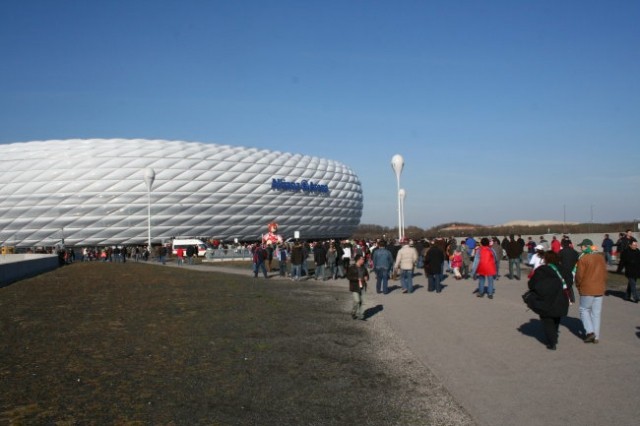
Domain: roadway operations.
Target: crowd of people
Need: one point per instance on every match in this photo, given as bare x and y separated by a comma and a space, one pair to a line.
554, 268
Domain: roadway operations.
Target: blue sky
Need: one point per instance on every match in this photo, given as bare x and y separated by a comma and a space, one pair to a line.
503, 110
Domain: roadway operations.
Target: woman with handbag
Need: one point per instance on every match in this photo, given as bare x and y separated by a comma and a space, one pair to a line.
550, 297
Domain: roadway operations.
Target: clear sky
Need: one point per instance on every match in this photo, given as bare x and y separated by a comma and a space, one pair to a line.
503, 110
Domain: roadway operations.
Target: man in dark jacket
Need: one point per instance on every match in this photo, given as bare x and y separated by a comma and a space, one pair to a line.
630, 258
297, 257
320, 260
433, 261
621, 245
514, 253
568, 259
607, 248
358, 276
259, 258
190, 253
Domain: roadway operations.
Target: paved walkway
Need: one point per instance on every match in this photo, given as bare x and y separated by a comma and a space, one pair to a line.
490, 353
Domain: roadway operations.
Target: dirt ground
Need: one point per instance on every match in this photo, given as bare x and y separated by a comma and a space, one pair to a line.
102, 343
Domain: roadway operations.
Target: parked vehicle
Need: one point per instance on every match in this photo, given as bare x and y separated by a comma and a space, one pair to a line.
184, 243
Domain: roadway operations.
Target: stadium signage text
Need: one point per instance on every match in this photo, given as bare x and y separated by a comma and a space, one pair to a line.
304, 186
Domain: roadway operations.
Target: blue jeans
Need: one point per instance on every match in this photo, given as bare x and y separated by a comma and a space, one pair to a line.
435, 282
257, 267
340, 271
481, 279
296, 271
319, 273
382, 280
358, 301
332, 270
607, 257
514, 262
590, 312
632, 291
406, 278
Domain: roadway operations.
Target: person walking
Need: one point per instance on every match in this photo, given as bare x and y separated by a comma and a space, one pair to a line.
456, 263
405, 261
281, 253
484, 268
358, 276
568, 259
538, 258
190, 253
340, 271
607, 249
497, 250
591, 282
433, 269
631, 263
162, 254
622, 244
259, 259
332, 257
382, 264
466, 260
531, 249
345, 260
550, 299
320, 260
514, 253
180, 256
297, 257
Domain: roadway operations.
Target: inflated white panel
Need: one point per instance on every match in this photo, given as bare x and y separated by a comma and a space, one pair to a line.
92, 192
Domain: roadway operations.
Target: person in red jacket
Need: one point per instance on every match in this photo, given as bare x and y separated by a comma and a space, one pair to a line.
180, 256
484, 268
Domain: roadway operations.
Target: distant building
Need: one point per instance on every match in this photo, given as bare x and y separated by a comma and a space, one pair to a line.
92, 192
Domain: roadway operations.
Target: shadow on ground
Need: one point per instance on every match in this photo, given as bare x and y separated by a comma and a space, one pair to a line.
533, 328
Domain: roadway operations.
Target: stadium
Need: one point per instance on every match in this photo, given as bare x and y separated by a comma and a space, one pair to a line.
92, 192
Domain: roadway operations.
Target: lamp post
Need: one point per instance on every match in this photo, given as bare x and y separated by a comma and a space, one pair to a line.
402, 194
397, 163
149, 177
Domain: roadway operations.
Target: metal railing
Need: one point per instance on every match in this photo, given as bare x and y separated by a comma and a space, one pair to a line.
231, 253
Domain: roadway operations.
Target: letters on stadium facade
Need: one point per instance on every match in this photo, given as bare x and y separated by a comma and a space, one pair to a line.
302, 186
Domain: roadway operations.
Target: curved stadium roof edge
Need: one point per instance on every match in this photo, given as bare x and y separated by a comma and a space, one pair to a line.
92, 192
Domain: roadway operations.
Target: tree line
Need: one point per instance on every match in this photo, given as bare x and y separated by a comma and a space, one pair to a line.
456, 229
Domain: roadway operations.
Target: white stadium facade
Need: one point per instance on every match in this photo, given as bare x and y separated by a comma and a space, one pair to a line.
92, 192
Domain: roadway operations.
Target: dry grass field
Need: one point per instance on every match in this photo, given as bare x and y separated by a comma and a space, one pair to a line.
101, 343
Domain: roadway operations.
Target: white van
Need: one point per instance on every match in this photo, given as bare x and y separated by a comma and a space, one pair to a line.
184, 243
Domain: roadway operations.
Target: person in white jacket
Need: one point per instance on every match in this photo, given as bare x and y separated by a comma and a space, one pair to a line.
406, 260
